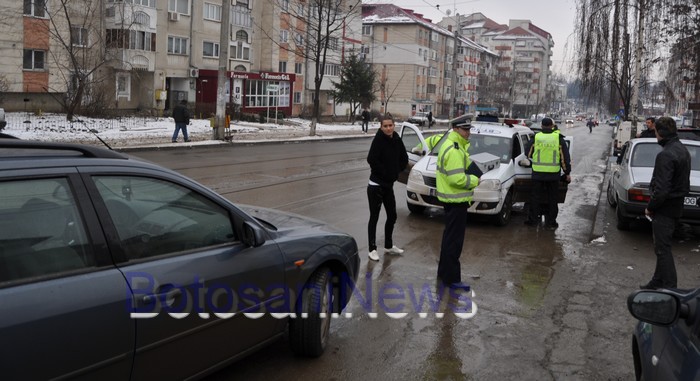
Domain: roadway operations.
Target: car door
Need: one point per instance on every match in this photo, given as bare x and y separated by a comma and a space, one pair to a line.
179, 247
621, 176
679, 357
412, 138
523, 172
62, 298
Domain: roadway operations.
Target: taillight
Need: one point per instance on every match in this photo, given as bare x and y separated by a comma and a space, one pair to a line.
637, 194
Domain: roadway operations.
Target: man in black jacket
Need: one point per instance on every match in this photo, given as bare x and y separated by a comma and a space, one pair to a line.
649, 131
670, 183
365, 120
387, 157
182, 119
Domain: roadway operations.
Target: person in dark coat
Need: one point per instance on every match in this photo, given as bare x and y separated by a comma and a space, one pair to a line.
365, 120
182, 119
670, 183
387, 158
650, 131
430, 118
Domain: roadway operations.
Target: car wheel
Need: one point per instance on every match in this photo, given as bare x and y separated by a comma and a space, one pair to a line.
308, 333
623, 223
612, 201
416, 209
503, 216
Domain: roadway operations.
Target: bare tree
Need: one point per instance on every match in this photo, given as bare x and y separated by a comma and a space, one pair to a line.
313, 31
387, 92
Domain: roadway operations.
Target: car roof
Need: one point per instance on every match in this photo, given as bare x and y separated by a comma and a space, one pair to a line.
635, 141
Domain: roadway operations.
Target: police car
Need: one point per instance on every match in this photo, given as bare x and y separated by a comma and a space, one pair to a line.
499, 188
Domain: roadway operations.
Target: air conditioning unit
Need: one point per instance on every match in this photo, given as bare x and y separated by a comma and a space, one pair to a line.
173, 16
194, 73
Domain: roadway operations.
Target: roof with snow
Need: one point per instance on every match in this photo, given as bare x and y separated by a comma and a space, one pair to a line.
392, 14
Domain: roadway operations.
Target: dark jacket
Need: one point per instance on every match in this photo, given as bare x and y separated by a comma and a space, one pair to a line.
181, 114
670, 182
387, 158
564, 154
365, 116
647, 133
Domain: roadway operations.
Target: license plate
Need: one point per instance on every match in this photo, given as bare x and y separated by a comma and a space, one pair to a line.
691, 201
433, 192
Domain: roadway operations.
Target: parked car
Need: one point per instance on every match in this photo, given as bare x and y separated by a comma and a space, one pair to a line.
420, 118
508, 183
628, 187
666, 341
569, 122
3, 122
115, 268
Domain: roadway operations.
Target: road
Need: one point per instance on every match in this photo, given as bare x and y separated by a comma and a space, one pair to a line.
551, 305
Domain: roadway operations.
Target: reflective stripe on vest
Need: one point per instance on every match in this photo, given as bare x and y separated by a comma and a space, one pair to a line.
545, 158
441, 169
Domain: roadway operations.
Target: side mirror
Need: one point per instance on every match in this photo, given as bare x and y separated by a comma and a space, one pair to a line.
654, 307
252, 235
525, 163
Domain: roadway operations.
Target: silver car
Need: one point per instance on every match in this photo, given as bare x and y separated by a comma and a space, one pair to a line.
628, 187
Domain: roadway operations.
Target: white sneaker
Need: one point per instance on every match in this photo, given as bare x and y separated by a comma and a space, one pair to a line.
394, 250
373, 255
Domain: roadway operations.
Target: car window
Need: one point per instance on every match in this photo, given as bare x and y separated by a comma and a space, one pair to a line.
155, 217
517, 149
410, 139
644, 155
41, 231
495, 145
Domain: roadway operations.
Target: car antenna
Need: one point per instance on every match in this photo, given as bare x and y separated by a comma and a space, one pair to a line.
94, 131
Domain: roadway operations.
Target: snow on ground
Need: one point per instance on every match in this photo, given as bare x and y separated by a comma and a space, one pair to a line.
146, 131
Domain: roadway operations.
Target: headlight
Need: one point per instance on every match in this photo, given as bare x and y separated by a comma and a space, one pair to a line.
415, 176
490, 184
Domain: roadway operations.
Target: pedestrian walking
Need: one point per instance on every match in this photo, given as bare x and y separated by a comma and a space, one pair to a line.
182, 118
430, 118
365, 120
549, 155
387, 158
590, 125
670, 183
455, 190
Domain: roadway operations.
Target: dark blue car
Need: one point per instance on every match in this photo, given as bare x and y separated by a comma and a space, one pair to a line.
666, 341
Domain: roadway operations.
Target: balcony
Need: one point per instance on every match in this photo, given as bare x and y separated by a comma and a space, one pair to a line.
127, 59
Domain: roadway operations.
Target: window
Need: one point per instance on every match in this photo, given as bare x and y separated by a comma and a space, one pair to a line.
367, 30
35, 8
242, 35
431, 89
432, 72
179, 6
282, 67
177, 45
298, 68
123, 85
172, 218
434, 36
241, 16
333, 43
299, 39
243, 3
212, 12
142, 18
145, 3
257, 94
285, 5
240, 51
284, 35
332, 70
210, 49
79, 36
297, 97
41, 232
33, 59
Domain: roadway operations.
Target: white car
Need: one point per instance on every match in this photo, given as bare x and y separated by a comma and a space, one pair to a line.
499, 188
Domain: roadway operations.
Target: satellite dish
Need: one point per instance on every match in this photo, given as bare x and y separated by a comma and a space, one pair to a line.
448, 12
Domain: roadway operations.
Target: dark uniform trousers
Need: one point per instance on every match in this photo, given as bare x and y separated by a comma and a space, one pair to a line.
544, 192
452, 242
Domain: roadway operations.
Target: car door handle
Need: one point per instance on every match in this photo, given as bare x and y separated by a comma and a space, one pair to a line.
167, 297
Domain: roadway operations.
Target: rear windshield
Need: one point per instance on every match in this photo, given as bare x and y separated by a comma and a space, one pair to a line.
645, 155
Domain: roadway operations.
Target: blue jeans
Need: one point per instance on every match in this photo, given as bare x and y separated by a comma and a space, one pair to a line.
180, 126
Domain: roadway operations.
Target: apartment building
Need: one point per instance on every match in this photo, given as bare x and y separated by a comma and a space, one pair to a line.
525, 53
681, 75
148, 55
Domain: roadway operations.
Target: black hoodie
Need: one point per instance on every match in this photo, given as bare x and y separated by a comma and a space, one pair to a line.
387, 158
670, 182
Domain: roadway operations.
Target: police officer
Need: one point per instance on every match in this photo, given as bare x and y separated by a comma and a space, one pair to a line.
549, 154
454, 190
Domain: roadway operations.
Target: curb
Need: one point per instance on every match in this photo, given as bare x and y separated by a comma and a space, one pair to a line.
602, 209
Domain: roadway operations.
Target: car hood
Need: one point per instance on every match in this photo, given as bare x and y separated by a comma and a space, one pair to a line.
285, 222
428, 166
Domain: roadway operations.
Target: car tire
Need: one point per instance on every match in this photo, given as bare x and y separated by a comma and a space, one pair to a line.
612, 200
503, 216
623, 223
308, 334
415, 209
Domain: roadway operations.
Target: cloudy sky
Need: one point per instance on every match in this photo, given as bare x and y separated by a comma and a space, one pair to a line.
554, 16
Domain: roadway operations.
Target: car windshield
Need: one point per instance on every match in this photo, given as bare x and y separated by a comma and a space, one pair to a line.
495, 145
645, 155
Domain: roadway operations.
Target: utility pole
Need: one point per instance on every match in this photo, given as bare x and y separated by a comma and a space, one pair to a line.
218, 133
453, 101
637, 69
